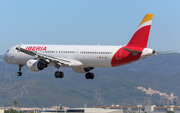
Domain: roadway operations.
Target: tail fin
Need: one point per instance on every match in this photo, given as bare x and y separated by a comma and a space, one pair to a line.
140, 37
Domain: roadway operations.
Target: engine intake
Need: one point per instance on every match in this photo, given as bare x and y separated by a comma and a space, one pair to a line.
41, 65
35, 65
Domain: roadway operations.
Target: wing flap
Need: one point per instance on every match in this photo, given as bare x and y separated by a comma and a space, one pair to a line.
54, 59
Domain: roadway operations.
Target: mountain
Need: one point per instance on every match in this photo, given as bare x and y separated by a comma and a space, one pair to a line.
106, 91
165, 64
110, 85
35, 93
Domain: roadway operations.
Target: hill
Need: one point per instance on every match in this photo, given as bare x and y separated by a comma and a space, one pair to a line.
31, 93
164, 64
110, 85
36, 93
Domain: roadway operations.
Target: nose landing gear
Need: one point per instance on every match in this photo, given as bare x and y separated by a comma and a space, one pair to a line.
19, 73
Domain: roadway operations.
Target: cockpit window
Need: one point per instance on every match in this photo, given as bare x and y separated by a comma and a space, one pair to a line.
8, 50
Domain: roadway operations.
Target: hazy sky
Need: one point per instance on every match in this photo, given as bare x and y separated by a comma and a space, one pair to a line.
87, 22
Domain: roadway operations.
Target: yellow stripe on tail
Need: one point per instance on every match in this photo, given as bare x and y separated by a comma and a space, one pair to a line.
146, 18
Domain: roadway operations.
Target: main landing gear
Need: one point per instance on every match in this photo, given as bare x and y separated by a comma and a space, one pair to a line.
89, 75
19, 73
58, 74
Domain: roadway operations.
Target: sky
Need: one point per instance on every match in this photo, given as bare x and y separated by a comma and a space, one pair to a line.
87, 22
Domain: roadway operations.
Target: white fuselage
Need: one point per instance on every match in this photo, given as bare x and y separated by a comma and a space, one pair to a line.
89, 56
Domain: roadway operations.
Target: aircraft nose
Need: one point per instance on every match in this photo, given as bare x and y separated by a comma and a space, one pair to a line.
5, 57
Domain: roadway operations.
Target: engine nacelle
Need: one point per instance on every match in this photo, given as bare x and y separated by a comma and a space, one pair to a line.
82, 70
35, 65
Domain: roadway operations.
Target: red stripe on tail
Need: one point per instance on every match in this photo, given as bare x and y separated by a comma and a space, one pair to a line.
140, 38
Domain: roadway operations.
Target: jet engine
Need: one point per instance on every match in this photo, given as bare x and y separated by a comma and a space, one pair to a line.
82, 70
35, 65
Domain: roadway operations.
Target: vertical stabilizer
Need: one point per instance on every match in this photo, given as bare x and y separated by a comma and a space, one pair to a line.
140, 37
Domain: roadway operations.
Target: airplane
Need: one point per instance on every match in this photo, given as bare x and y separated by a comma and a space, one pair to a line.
82, 58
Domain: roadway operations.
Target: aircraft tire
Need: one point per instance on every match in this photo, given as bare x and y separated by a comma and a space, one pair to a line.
91, 75
19, 73
87, 75
59, 74
56, 74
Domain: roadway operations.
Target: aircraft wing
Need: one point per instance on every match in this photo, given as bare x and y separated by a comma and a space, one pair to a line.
48, 59
25, 51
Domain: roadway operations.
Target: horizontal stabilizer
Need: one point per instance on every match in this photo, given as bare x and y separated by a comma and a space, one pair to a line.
134, 52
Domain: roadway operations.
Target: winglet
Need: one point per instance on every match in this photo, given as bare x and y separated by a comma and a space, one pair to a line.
140, 37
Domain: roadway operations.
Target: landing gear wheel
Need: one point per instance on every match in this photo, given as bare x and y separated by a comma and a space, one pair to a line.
89, 75
59, 74
92, 75
19, 73
56, 74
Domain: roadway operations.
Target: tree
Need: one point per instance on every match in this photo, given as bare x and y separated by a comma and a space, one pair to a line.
170, 111
15, 103
12, 111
